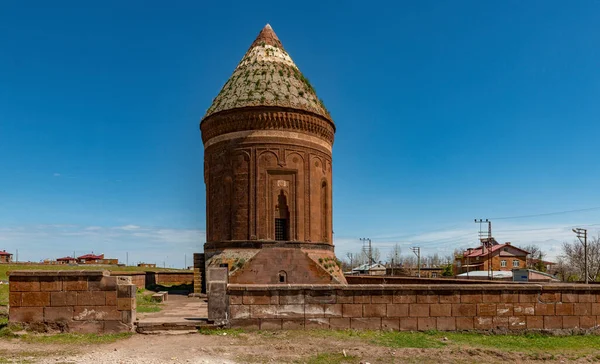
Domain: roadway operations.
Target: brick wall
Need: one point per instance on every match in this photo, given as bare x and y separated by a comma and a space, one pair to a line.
72, 301
173, 278
415, 307
364, 279
199, 273
137, 278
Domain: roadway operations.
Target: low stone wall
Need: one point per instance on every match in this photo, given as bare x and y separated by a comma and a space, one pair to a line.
72, 301
364, 279
137, 278
169, 278
415, 307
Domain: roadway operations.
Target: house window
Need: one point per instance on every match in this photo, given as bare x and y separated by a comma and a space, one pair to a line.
433, 275
503, 263
515, 263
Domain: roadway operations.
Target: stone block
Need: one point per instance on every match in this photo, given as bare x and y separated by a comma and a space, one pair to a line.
408, 324
374, 310
426, 323
382, 297
96, 313
316, 323
50, 284
319, 297
587, 322
263, 311
486, 309
404, 297
126, 291
291, 324
106, 283
334, 310
452, 297
91, 298
126, 304
549, 297
314, 310
75, 284
23, 284
471, 297
464, 323
110, 298
500, 322
239, 312
270, 324
580, 309
544, 309
290, 311
235, 297
124, 280
63, 298
483, 323
491, 297
116, 327
26, 314
35, 299
292, 297
464, 309
418, 310
427, 297
128, 317
344, 296
390, 324
440, 309
86, 327
246, 324
570, 322
365, 323
52, 314
397, 310
256, 298
517, 322
446, 323
535, 322
595, 309
527, 297
217, 274
569, 297
339, 323
504, 309
362, 296
352, 310
509, 297
524, 309
14, 299
552, 322
564, 309
587, 297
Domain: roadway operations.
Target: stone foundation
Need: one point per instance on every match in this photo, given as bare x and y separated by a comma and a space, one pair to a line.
72, 301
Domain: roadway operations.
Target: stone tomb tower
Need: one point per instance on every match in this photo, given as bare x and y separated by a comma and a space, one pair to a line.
267, 168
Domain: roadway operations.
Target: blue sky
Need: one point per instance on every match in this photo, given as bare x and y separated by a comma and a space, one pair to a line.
446, 111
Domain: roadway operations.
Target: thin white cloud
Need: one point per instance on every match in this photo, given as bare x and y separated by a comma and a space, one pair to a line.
129, 227
56, 175
92, 228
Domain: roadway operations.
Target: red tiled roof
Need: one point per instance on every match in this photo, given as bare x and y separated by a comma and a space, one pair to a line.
66, 258
91, 256
478, 252
4, 252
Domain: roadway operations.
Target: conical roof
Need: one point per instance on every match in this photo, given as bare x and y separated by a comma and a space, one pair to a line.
267, 76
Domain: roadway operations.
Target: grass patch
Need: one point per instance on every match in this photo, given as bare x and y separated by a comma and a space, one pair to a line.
144, 302
3, 294
419, 340
329, 358
75, 338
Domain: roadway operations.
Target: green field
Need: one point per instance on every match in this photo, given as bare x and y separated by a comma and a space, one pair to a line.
5, 268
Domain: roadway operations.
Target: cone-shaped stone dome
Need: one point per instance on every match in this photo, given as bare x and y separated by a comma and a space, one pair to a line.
267, 76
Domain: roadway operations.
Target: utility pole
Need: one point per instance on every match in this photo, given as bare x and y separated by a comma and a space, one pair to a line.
486, 240
17, 255
127, 259
185, 261
582, 233
417, 252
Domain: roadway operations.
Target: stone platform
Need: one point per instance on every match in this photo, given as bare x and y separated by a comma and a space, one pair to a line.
179, 313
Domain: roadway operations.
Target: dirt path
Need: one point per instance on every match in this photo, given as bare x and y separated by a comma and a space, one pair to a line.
275, 347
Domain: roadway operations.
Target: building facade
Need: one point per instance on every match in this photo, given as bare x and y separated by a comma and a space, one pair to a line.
268, 173
501, 257
5, 257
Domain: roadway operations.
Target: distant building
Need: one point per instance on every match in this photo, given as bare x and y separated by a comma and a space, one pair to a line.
370, 269
501, 257
66, 260
147, 265
5, 257
96, 259
429, 272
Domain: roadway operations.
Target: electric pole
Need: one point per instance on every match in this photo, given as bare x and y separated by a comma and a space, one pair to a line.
417, 252
486, 241
582, 233
367, 249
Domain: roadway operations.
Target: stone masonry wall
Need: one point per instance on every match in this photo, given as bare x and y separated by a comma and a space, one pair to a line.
72, 301
169, 277
416, 307
137, 278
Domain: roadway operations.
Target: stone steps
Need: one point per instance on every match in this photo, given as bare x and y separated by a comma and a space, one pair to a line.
178, 326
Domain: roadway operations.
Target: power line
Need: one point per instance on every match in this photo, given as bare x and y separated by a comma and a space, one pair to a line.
545, 214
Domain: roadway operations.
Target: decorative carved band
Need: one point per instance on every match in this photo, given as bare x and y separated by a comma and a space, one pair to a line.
258, 244
266, 119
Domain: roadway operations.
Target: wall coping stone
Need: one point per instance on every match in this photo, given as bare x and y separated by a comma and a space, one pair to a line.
414, 287
127, 273
58, 273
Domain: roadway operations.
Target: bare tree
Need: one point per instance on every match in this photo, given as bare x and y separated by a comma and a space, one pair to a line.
394, 254
574, 256
534, 257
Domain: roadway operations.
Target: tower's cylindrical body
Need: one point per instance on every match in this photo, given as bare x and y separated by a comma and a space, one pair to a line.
267, 170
